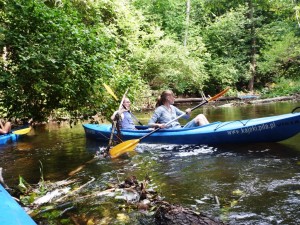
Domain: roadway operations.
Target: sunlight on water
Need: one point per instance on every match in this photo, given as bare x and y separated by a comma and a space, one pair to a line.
197, 150
178, 150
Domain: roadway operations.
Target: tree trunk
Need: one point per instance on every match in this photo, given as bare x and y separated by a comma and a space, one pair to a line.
187, 21
253, 48
297, 12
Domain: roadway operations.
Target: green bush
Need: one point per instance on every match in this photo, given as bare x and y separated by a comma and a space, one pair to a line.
281, 87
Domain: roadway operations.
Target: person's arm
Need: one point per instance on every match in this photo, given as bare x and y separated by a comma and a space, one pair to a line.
187, 112
153, 119
153, 122
120, 112
114, 115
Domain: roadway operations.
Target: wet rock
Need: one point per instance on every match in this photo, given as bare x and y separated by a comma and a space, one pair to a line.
168, 214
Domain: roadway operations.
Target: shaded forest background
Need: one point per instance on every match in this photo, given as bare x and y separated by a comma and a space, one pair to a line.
56, 54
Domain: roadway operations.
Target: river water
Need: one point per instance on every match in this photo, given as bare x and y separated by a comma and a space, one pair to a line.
238, 184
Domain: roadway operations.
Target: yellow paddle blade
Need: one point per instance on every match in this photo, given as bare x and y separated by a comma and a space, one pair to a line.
22, 131
123, 147
110, 91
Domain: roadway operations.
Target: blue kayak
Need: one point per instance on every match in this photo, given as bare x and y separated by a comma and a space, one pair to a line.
266, 129
11, 213
5, 138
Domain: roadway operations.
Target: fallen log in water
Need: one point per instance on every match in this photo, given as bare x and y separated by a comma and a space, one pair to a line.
277, 99
195, 100
249, 99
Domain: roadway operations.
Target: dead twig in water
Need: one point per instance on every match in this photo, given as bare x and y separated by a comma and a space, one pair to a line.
74, 191
2, 180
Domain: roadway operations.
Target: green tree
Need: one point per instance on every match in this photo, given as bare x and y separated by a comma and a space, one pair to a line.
170, 15
241, 34
54, 60
280, 53
171, 61
170, 65
226, 40
60, 53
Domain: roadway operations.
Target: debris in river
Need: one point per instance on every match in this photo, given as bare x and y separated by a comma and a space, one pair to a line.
50, 195
168, 214
63, 196
165, 213
2, 180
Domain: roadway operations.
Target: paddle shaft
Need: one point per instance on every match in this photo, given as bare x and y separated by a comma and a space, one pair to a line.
111, 136
133, 115
178, 117
123, 98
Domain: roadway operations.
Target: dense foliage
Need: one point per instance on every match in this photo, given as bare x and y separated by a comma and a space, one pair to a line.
56, 54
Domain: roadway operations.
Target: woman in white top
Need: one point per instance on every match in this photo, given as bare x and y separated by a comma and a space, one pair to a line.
166, 112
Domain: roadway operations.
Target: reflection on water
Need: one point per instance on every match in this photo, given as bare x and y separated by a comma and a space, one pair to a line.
255, 184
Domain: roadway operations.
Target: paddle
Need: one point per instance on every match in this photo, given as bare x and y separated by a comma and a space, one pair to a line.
22, 131
114, 121
130, 145
110, 91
